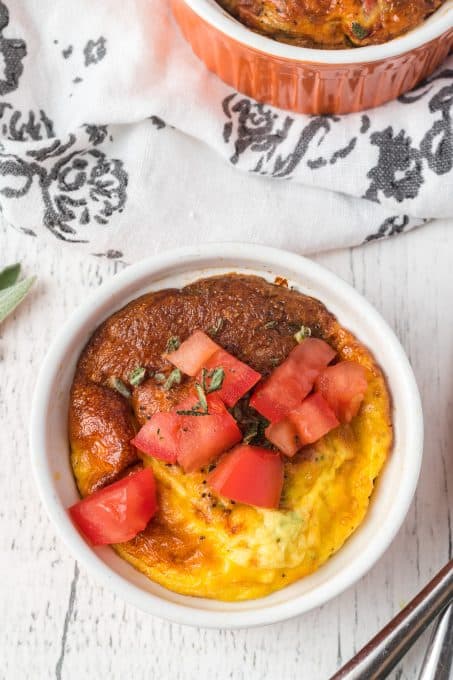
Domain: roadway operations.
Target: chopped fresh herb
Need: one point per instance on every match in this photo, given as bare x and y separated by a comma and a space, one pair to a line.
160, 378
118, 385
204, 375
192, 411
270, 324
202, 397
172, 344
217, 327
137, 376
174, 378
302, 333
359, 31
12, 294
9, 275
216, 376
274, 361
251, 432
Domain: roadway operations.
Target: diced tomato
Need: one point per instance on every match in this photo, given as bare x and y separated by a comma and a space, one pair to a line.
290, 382
159, 437
251, 475
284, 436
191, 440
313, 419
117, 512
343, 386
239, 377
203, 438
193, 353
312, 354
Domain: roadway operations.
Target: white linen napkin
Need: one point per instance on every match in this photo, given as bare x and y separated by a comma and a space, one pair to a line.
116, 140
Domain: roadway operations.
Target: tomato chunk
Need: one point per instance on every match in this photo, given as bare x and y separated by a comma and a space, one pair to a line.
191, 440
203, 438
284, 436
290, 382
343, 386
117, 512
159, 437
193, 353
251, 475
239, 377
313, 419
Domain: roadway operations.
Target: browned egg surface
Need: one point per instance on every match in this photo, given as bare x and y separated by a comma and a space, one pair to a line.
334, 24
200, 544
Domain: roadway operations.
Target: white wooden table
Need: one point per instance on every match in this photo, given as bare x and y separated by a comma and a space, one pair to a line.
56, 622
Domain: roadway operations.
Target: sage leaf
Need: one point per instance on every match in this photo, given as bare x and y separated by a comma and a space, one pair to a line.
302, 333
217, 377
118, 385
174, 378
137, 376
13, 295
202, 397
173, 344
9, 275
359, 31
217, 327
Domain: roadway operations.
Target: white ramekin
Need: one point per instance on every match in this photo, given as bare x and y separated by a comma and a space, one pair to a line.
390, 501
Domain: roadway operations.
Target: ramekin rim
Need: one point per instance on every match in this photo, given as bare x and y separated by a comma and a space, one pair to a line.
132, 593
434, 27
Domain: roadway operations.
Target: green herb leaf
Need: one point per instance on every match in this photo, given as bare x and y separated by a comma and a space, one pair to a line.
160, 378
202, 397
174, 378
13, 295
9, 275
118, 385
137, 376
270, 324
302, 333
217, 327
173, 344
359, 31
204, 375
193, 411
274, 361
217, 376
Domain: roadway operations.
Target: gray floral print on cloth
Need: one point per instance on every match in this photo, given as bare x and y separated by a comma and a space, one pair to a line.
270, 142
79, 185
261, 132
13, 51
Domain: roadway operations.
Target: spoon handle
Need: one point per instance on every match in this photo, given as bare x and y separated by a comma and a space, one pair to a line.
382, 653
438, 661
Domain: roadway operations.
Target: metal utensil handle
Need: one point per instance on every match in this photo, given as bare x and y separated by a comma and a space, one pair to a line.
382, 653
438, 661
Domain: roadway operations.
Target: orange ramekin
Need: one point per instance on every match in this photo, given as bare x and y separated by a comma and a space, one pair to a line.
310, 80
